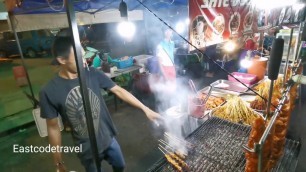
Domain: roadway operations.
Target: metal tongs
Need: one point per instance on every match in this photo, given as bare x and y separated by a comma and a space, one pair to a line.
208, 93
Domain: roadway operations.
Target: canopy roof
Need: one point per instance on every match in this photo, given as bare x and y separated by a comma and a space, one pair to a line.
56, 6
50, 14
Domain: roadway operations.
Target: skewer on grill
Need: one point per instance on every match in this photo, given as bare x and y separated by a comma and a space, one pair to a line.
176, 158
172, 137
178, 153
172, 161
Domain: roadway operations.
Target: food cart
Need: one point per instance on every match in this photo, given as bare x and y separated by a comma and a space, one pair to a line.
222, 140
246, 132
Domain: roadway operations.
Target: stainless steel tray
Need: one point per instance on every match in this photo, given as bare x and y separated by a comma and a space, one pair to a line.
214, 92
229, 86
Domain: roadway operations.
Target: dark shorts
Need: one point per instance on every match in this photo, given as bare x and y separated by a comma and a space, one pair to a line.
112, 155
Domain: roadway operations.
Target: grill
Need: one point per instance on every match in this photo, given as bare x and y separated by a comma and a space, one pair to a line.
218, 148
288, 161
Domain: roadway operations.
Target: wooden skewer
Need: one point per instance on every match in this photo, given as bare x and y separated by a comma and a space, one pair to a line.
162, 151
160, 146
172, 161
178, 139
167, 145
175, 157
182, 155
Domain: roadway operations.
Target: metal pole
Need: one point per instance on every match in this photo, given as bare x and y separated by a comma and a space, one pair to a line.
258, 148
270, 98
287, 60
297, 41
73, 27
22, 57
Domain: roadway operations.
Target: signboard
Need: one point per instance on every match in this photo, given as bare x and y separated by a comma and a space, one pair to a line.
214, 21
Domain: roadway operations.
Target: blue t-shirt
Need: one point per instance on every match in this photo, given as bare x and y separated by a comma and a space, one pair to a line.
62, 96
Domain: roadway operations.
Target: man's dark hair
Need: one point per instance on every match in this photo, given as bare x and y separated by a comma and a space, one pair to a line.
61, 48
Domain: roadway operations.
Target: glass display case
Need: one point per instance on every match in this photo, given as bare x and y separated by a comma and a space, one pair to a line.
285, 34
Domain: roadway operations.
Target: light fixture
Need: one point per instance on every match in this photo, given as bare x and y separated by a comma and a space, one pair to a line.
229, 46
126, 29
123, 9
180, 27
247, 61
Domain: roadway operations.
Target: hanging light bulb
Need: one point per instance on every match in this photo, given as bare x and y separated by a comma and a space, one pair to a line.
123, 9
229, 46
126, 29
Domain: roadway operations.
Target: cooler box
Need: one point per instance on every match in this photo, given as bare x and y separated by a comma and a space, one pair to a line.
121, 64
41, 123
20, 76
248, 79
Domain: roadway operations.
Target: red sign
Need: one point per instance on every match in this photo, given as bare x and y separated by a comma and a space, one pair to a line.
214, 21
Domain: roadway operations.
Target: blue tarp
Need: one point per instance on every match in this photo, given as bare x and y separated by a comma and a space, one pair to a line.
56, 6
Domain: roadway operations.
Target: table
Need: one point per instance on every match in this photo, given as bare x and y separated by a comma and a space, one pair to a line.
119, 72
123, 71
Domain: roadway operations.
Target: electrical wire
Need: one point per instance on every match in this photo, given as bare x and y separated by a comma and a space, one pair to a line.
60, 8
205, 55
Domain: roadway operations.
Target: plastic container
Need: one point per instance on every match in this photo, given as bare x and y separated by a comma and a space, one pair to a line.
20, 76
121, 64
248, 79
196, 107
142, 59
259, 67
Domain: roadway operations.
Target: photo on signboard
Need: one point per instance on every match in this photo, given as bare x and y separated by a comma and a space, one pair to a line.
234, 23
261, 18
248, 21
219, 24
299, 15
198, 30
287, 17
282, 16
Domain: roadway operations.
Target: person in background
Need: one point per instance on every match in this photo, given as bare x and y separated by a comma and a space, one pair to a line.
164, 83
269, 38
62, 96
165, 54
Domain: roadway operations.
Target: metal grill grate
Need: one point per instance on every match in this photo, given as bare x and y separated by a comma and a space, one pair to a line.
288, 161
218, 148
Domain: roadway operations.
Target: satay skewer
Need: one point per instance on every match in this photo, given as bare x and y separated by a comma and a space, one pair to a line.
176, 158
172, 161
178, 153
170, 136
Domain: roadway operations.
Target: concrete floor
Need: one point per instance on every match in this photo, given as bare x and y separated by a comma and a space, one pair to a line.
136, 137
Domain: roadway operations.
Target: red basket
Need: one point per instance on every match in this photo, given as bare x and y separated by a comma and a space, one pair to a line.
196, 107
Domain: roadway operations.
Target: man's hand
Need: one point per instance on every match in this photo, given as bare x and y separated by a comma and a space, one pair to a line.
151, 114
129, 98
61, 168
